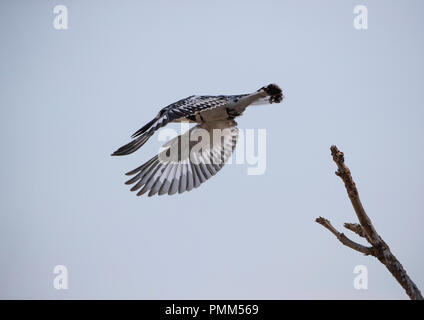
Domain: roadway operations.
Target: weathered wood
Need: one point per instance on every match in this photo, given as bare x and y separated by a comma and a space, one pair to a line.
365, 229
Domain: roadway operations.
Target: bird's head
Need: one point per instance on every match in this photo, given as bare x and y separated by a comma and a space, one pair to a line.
274, 92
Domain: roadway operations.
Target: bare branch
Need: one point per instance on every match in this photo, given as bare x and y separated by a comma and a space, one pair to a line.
343, 239
365, 228
344, 173
355, 227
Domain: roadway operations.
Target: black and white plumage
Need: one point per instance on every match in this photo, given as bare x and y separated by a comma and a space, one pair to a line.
189, 166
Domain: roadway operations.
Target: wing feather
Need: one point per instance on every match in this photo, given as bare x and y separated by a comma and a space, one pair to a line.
188, 170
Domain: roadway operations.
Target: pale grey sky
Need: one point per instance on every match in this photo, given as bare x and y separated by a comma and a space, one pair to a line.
69, 98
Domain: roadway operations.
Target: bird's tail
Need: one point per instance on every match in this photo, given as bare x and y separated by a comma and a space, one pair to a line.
140, 138
274, 92
133, 145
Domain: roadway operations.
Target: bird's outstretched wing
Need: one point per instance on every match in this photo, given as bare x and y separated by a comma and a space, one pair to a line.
189, 106
187, 161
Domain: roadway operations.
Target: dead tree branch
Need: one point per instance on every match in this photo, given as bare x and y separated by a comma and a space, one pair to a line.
365, 229
343, 239
355, 227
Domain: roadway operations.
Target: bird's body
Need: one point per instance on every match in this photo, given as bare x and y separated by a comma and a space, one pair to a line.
189, 167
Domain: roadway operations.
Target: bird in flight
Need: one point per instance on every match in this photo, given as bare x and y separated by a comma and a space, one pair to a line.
185, 162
